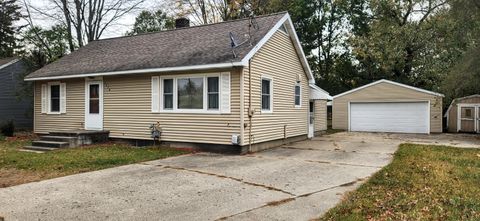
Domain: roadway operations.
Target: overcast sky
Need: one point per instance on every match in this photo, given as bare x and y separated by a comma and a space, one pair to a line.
119, 29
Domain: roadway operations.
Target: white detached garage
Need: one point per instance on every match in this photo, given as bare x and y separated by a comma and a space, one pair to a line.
387, 106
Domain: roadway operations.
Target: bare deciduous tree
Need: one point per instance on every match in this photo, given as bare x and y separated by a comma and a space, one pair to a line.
86, 20
212, 11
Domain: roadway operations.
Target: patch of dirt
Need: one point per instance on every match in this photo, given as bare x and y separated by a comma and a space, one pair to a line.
22, 136
12, 177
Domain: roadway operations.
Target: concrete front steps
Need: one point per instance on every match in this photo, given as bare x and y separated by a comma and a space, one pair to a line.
67, 139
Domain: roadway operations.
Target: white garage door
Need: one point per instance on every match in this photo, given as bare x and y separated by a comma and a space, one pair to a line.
405, 117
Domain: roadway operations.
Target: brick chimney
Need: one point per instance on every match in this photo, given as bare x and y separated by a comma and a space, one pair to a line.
182, 23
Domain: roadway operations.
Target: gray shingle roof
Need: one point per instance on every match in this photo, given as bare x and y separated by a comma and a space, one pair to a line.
4, 61
197, 45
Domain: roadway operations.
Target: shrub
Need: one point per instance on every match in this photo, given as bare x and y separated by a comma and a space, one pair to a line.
7, 128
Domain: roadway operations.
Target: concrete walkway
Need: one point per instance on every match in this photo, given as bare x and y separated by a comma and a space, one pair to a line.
293, 182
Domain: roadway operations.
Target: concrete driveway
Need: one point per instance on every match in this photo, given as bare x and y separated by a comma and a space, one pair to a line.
299, 181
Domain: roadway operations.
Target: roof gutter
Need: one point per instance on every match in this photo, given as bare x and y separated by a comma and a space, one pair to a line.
143, 71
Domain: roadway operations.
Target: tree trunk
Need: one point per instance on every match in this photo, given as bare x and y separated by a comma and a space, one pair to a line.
68, 20
78, 7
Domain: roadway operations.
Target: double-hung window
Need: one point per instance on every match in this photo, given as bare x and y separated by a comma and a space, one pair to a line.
298, 95
207, 93
267, 91
213, 93
55, 98
168, 94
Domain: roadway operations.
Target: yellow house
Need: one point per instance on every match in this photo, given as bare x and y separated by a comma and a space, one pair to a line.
234, 86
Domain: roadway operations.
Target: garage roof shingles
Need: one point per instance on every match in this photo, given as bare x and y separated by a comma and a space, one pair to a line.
197, 45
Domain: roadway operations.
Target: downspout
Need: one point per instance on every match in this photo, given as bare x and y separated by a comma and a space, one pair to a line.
242, 107
250, 111
34, 102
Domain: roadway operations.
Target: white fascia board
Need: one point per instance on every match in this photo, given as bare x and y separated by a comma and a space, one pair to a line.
316, 93
9, 63
390, 82
296, 43
142, 71
298, 47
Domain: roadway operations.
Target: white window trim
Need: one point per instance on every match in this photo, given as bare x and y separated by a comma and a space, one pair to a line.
299, 84
205, 109
475, 114
49, 100
263, 111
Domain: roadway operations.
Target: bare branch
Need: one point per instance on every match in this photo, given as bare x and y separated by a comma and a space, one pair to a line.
431, 9
32, 27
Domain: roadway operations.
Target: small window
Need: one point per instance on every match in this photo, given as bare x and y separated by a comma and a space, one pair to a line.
213, 92
298, 92
283, 29
190, 93
266, 94
55, 98
168, 94
94, 100
468, 113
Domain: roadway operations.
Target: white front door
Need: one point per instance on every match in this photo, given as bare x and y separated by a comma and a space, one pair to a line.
311, 119
94, 105
399, 117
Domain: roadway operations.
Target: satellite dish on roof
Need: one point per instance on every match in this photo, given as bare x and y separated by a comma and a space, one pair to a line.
252, 23
233, 43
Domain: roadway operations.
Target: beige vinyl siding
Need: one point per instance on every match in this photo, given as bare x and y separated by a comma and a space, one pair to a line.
386, 92
278, 60
73, 119
320, 115
127, 113
452, 115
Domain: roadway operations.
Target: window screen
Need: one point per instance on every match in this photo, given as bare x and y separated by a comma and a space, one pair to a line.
266, 96
213, 92
94, 99
297, 95
55, 98
168, 93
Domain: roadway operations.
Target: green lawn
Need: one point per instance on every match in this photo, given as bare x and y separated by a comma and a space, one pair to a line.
18, 167
422, 183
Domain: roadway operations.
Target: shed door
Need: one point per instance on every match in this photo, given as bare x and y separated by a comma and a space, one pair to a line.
467, 118
399, 117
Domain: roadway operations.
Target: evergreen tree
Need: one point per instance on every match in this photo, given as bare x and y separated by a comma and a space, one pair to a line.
9, 13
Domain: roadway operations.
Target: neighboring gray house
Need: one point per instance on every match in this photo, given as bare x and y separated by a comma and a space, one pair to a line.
20, 111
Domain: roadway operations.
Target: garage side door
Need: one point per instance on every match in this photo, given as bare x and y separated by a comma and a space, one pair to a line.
404, 117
